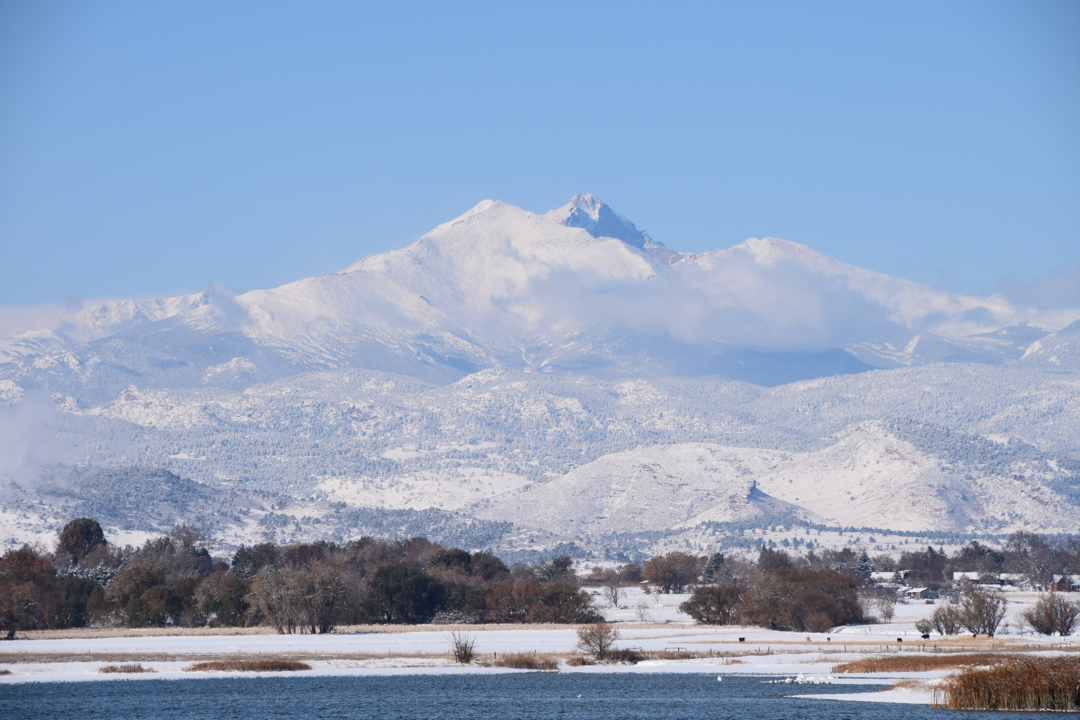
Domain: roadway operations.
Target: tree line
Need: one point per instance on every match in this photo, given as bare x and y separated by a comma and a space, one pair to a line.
173, 580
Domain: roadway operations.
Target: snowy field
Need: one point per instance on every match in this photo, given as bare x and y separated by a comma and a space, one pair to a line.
384, 650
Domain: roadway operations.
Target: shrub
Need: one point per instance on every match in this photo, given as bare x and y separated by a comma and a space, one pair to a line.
1053, 614
133, 668
463, 647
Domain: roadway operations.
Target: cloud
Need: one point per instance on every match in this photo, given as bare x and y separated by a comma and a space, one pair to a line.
17, 319
736, 300
28, 434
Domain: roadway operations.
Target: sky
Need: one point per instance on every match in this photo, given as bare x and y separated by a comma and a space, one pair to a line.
153, 149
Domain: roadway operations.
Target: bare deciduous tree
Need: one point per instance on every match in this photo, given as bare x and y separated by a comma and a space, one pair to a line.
1053, 614
597, 639
612, 591
981, 611
672, 572
886, 606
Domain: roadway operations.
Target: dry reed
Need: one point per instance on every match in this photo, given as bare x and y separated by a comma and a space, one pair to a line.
527, 661
919, 663
4, 671
248, 666
580, 661
132, 668
1016, 684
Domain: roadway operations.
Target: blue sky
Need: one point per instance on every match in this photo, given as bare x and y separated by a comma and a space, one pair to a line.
153, 148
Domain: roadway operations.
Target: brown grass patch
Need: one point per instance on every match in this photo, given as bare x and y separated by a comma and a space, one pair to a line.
1023, 683
248, 666
527, 661
626, 655
919, 663
132, 668
580, 661
673, 655
4, 671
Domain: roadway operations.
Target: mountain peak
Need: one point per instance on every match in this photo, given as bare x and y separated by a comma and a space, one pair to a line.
589, 213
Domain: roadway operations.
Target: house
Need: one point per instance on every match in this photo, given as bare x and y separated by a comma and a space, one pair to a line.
888, 578
1065, 583
1000, 580
1019, 580
920, 594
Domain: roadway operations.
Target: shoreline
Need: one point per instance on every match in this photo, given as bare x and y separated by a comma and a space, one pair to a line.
77, 656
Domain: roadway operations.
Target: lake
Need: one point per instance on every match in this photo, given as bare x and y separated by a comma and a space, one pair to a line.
531, 696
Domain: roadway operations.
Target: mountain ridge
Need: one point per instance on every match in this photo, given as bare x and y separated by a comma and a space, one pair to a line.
509, 369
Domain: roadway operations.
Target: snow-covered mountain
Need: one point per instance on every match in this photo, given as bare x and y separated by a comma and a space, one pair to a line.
578, 288
564, 373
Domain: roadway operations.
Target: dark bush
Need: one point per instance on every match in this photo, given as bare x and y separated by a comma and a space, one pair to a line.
399, 594
714, 604
79, 538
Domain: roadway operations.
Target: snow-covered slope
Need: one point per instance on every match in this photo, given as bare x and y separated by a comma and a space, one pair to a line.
896, 474
646, 489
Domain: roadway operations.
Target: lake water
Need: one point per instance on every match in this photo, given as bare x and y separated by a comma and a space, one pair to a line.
531, 696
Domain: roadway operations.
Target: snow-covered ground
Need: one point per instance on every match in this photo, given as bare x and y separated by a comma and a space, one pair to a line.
386, 650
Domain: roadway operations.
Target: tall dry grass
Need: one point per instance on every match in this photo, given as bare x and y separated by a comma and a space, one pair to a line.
919, 663
126, 669
527, 661
248, 666
1015, 684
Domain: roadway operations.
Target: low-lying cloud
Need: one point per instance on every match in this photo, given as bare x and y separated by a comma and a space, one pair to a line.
28, 432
